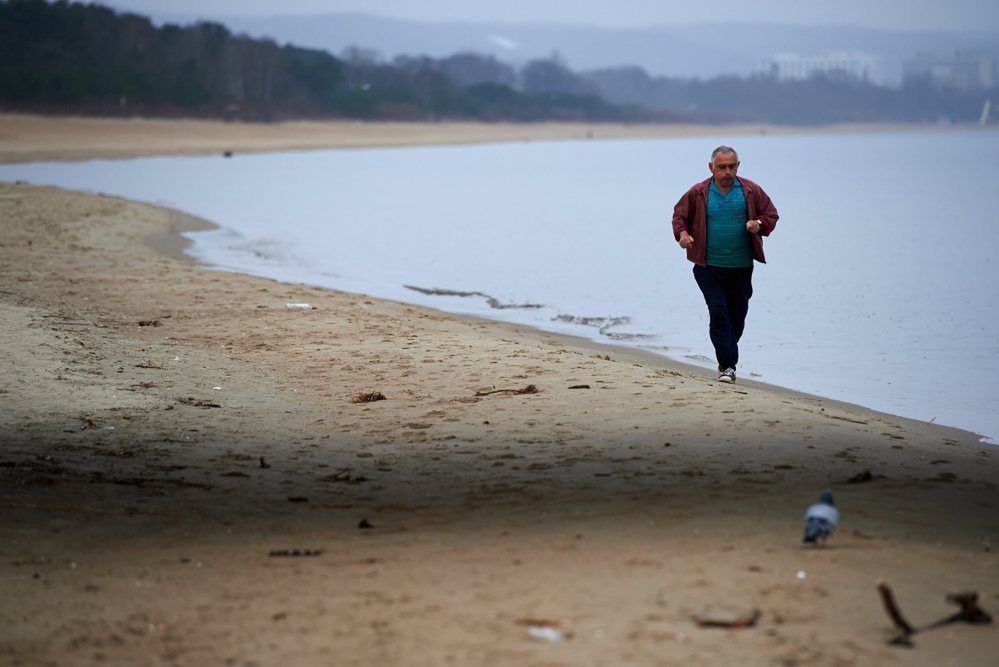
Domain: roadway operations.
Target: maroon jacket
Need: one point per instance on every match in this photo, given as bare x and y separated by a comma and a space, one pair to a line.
690, 215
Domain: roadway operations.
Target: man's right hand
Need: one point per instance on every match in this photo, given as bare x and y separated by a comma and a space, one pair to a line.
686, 240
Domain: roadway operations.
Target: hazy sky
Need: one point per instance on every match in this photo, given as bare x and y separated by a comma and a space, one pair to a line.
900, 14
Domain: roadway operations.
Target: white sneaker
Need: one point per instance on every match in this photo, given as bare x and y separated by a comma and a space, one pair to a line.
727, 375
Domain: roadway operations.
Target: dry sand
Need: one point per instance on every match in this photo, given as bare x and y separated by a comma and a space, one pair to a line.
137, 525
25, 137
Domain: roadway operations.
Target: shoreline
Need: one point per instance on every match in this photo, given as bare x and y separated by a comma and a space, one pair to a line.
34, 138
28, 138
136, 137
173, 244
169, 428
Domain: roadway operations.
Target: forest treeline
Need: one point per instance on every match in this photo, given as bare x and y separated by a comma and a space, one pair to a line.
67, 56
70, 57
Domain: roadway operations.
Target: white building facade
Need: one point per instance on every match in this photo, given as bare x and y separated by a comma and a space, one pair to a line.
837, 65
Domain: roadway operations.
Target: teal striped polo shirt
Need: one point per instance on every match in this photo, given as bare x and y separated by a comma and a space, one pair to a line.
729, 244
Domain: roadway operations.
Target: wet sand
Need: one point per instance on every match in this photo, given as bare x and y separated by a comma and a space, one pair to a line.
167, 427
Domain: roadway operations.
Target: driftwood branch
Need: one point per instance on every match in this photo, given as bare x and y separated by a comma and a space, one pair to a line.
888, 599
969, 612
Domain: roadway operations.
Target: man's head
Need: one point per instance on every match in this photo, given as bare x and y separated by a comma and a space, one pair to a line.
724, 164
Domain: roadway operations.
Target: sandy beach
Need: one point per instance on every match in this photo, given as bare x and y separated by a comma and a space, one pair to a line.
186, 479
27, 138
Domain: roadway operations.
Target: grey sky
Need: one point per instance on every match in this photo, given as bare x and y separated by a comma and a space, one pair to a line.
890, 14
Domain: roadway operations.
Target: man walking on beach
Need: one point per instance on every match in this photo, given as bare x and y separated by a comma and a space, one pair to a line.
720, 222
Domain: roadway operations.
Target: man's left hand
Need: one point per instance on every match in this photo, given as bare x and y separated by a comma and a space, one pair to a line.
753, 226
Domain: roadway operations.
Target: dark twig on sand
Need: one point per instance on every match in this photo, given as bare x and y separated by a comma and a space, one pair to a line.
294, 553
748, 620
968, 602
888, 599
970, 611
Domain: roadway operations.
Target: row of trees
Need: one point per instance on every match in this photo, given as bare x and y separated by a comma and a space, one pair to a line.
68, 56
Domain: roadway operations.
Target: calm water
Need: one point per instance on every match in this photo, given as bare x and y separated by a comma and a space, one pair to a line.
881, 289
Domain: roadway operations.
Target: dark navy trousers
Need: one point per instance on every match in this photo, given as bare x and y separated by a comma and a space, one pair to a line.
726, 292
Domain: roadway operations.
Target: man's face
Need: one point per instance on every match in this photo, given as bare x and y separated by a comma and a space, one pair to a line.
723, 169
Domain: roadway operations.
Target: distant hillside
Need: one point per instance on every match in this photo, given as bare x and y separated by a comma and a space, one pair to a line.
815, 101
71, 57
673, 51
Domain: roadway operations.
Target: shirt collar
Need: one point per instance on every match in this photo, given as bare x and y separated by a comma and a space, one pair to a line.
736, 183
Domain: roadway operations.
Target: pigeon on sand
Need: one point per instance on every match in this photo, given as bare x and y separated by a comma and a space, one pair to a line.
821, 519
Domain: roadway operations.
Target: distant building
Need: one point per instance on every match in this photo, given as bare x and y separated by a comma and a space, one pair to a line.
965, 69
836, 65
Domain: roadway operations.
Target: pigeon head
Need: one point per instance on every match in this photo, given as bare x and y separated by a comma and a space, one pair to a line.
826, 497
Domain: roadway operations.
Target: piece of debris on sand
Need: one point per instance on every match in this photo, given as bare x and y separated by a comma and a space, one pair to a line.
864, 476
294, 553
730, 621
198, 403
368, 397
345, 476
529, 389
969, 612
546, 629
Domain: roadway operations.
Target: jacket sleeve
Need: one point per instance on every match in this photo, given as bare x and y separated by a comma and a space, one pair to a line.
766, 212
681, 215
